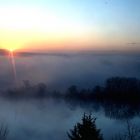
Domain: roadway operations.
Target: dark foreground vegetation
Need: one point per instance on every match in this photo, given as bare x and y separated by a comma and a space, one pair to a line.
86, 129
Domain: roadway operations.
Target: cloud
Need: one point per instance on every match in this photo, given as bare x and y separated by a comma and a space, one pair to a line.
133, 43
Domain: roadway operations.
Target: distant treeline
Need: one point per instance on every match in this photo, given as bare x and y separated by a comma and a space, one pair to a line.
116, 89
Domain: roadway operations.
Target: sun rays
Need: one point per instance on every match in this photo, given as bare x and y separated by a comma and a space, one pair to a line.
12, 61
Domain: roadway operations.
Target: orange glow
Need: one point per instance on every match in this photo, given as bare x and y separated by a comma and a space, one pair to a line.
21, 26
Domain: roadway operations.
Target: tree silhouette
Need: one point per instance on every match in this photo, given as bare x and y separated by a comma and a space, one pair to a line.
3, 132
86, 130
132, 132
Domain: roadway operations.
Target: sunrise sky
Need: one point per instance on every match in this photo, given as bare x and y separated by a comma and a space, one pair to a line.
41, 25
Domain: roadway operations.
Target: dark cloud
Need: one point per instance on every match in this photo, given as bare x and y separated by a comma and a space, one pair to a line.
133, 43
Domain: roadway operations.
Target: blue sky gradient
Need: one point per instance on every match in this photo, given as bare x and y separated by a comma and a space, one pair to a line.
115, 23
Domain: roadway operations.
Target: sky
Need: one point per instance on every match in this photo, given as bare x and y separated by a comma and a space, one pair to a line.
42, 25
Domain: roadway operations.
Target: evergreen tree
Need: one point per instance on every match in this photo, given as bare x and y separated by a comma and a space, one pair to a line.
86, 130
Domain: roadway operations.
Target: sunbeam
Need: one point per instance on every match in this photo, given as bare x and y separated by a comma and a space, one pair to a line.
12, 61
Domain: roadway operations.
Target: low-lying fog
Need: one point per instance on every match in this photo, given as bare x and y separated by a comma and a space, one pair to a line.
59, 71
49, 119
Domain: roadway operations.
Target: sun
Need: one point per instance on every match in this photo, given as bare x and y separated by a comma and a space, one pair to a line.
11, 50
